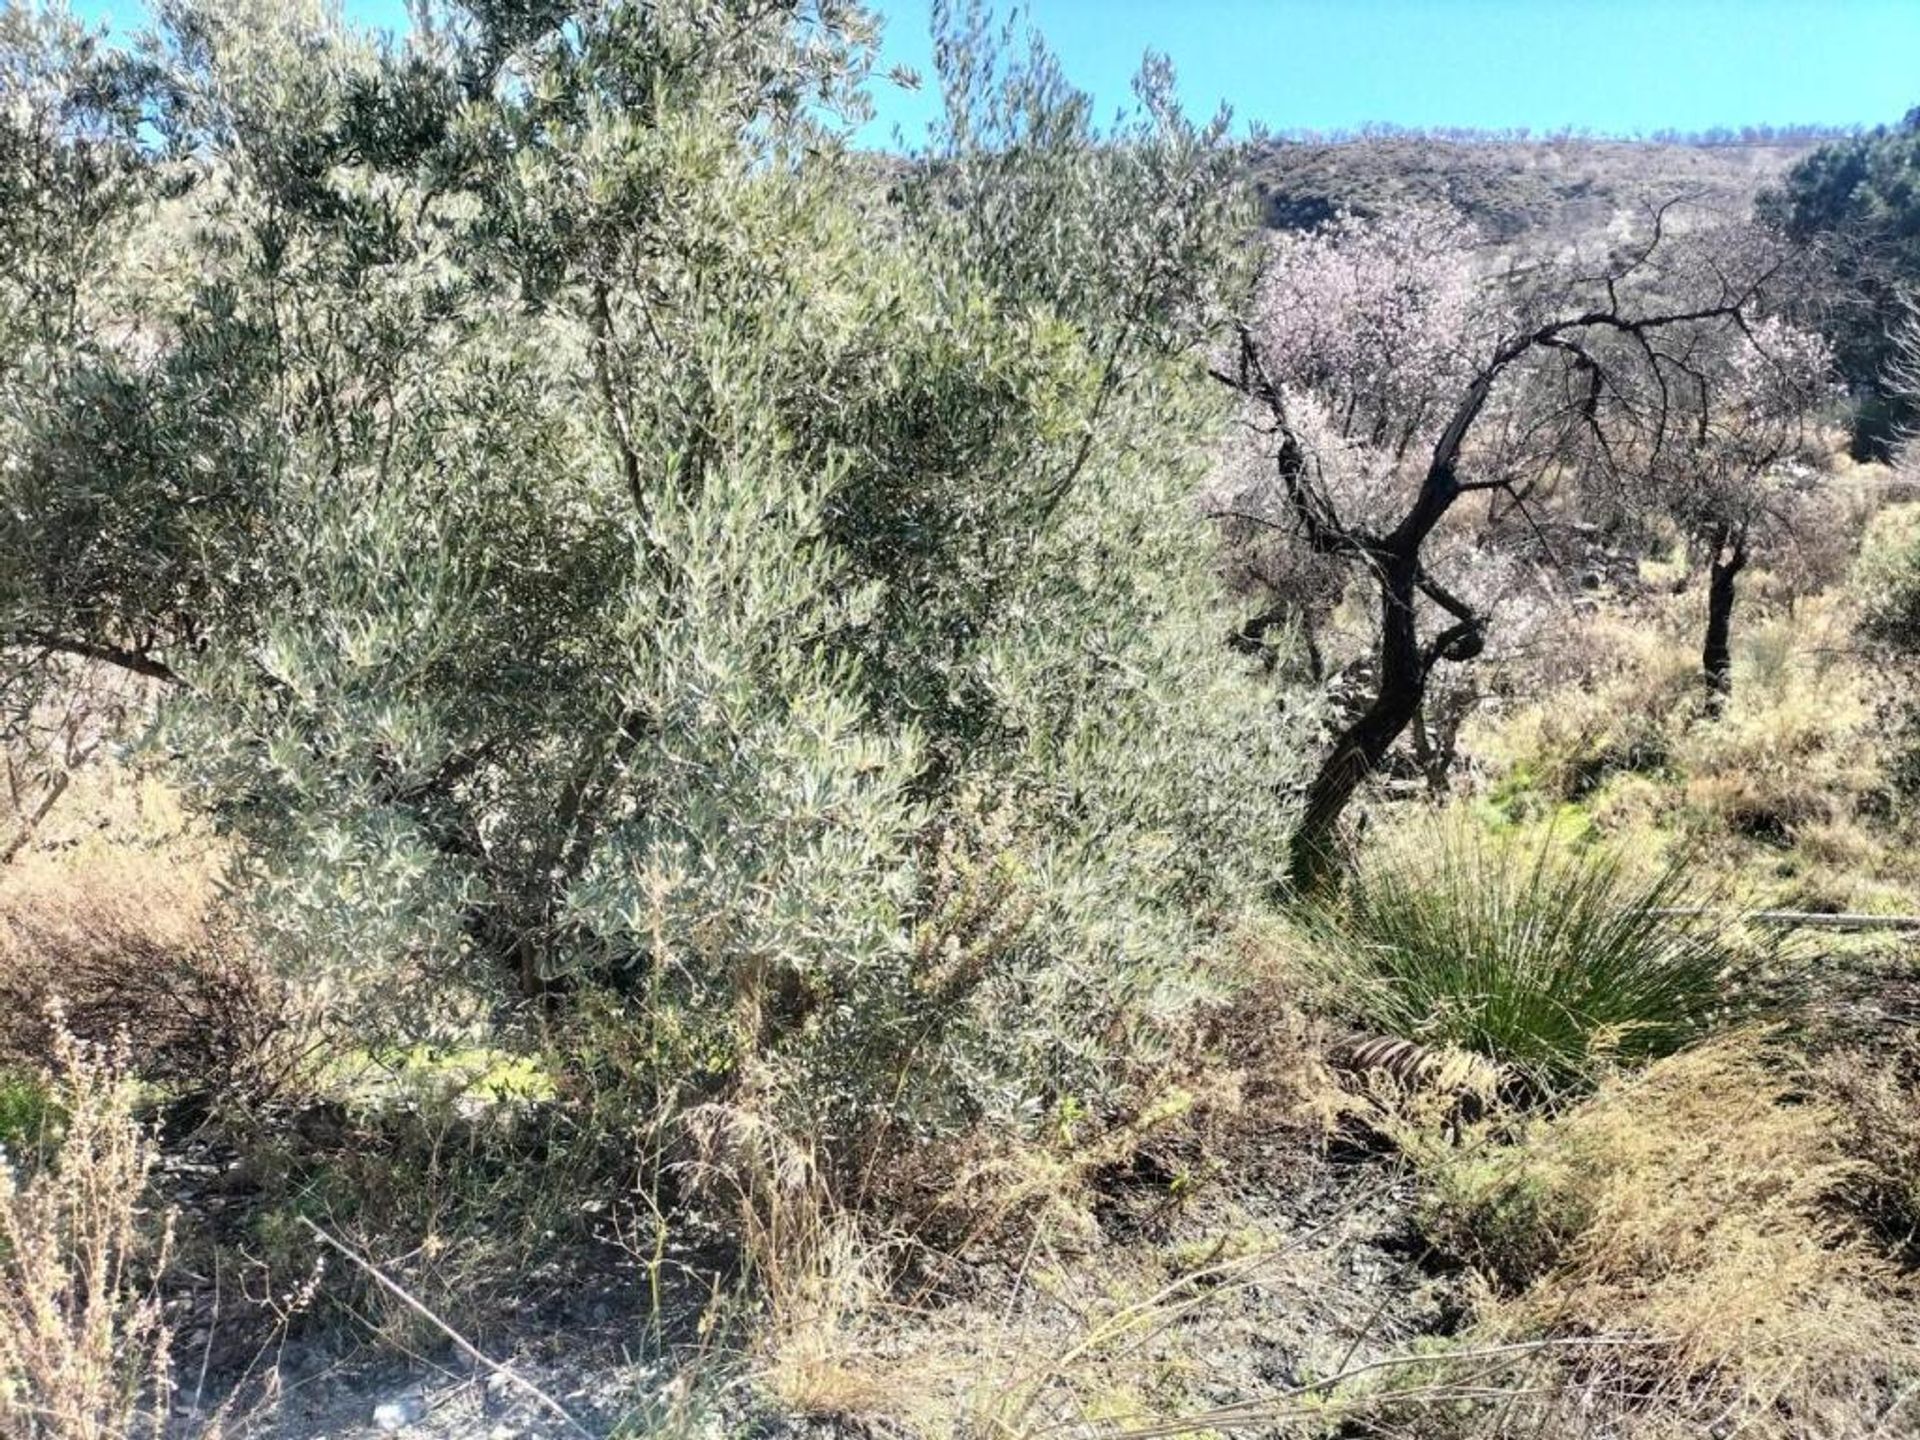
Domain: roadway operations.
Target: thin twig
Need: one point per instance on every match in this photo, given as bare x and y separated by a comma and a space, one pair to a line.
467, 1347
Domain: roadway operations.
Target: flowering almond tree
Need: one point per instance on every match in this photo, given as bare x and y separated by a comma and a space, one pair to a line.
1385, 374
1738, 474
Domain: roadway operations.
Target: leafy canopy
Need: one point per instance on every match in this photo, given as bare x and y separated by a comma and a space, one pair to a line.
594, 532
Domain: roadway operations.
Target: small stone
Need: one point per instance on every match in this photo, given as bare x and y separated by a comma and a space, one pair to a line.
401, 1412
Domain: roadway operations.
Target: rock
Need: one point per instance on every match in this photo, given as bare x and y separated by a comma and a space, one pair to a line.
401, 1411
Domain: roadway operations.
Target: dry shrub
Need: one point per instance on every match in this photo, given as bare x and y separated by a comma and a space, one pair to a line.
1876, 1094
1898, 481
131, 942
1690, 1210
1782, 761
84, 1343
973, 1292
1826, 537
1621, 726
1620, 693
1774, 806
1840, 844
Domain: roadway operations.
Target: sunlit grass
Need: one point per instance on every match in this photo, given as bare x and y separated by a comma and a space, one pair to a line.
1551, 960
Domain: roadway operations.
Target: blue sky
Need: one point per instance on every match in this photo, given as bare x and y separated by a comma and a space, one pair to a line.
1619, 66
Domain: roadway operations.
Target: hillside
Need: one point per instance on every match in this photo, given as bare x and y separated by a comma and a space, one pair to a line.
1556, 188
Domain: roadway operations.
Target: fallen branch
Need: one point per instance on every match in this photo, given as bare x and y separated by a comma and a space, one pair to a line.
1807, 919
466, 1346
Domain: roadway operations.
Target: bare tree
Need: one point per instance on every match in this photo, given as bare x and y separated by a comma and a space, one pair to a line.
1386, 375
1739, 473
1901, 376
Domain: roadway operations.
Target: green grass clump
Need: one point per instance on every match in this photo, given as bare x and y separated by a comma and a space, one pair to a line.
1550, 960
28, 1113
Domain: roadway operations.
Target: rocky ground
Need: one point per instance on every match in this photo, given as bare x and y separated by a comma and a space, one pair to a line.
1299, 1265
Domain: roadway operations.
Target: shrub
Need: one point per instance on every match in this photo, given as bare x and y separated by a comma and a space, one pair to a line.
27, 1110
1876, 1094
1886, 587
1547, 959
1885, 581
131, 947
84, 1343
475, 1199
1620, 695
1682, 1223
679, 535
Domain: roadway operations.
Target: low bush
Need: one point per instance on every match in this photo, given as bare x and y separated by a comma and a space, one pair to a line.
128, 946
1620, 697
487, 1204
1679, 1234
1886, 590
1876, 1095
1550, 960
27, 1110
84, 1342
1886, 580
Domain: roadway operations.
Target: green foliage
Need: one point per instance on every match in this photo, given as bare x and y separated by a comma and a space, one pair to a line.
1858, 197
1553, 961
593, 545
29, 1115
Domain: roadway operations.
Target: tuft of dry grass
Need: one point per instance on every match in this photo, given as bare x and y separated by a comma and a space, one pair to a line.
817, 1275
1693, 1211
84, 1342
114, 912
1876, 1095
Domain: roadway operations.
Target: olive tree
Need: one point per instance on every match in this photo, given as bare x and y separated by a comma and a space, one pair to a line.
74, 180
616, 544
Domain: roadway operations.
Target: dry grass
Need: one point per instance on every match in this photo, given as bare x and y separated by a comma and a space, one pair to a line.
860, 1322
995, 1305
1615, 695
1876, 1094
1067, 1343
114, 913
84, 1343
1786, 801
1692, 1210
124, 950
817, 1275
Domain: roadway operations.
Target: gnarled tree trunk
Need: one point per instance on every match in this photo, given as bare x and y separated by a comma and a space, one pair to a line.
1716, 655
1313, 855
